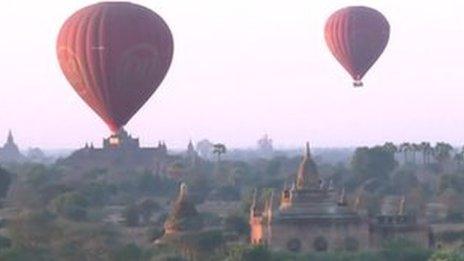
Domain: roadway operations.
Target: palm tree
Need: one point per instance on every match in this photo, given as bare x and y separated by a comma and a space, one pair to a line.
390, 147
415, 148
219, 149
405, 147
427, 150
443, 152
459, 158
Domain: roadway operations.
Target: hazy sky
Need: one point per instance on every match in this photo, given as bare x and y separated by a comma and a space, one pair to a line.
243, 68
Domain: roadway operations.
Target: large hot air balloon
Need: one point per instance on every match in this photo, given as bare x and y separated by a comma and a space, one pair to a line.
357, 36
115, 55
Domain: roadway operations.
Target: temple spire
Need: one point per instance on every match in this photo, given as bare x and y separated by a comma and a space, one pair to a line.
401, 210
10, 139
357, 202
342, 199
308, 176
183, 191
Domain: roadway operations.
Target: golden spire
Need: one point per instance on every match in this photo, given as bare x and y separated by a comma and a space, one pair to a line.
357, 202
308, 176
402, 206
342, 199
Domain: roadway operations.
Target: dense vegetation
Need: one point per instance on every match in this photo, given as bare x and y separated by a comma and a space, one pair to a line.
52, 212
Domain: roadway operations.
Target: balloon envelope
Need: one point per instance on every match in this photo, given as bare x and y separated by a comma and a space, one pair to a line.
357, 36
115, 55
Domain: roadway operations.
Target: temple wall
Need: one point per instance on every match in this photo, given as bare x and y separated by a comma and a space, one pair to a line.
418, 236
336, 235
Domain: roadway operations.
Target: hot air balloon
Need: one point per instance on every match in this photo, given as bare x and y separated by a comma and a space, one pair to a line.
357, 36
115, 55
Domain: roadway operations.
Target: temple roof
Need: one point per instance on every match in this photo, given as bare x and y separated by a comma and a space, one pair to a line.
309, 201
308, 176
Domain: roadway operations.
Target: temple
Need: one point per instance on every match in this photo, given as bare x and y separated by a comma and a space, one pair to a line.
184, 215
120, 151
183, 220
10, 152
313, 216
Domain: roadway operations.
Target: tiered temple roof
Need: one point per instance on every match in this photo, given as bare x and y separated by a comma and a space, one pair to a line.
310, 199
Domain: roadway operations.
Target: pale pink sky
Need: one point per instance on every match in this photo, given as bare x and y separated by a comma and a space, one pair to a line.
242, 68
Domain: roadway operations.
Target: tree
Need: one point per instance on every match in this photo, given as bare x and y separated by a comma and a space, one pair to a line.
5, 181
405, 148
403, 250
72, 206
237, 224
459, 158
427, 151
390, 147
33, 230
131, 215
415, 148
257, 253
219, 149
199, 245
225, 193
447, 256
146, 209
129, 252
372, 163
403, 181
442, 153
274, 167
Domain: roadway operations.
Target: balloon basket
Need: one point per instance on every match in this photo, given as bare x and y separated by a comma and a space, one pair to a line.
357, 84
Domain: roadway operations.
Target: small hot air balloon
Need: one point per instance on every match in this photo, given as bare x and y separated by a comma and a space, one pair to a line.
115, 55
357, 36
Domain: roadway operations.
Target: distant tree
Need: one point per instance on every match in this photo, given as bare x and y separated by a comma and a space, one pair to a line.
5, 181
131, 215
448, 181
372, 163
447, 256
459, 158
405, 148
177, 170
154, 233
98, 193
146, 209
146, 182
129, 252
33, 230
453, 200
237, 223
257, 253
403, 181
225, 193
219, 149
200, 245
390, 147
443, 153
415, 148
274, 166
403, 250
427, 151
4, 243
71, 205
